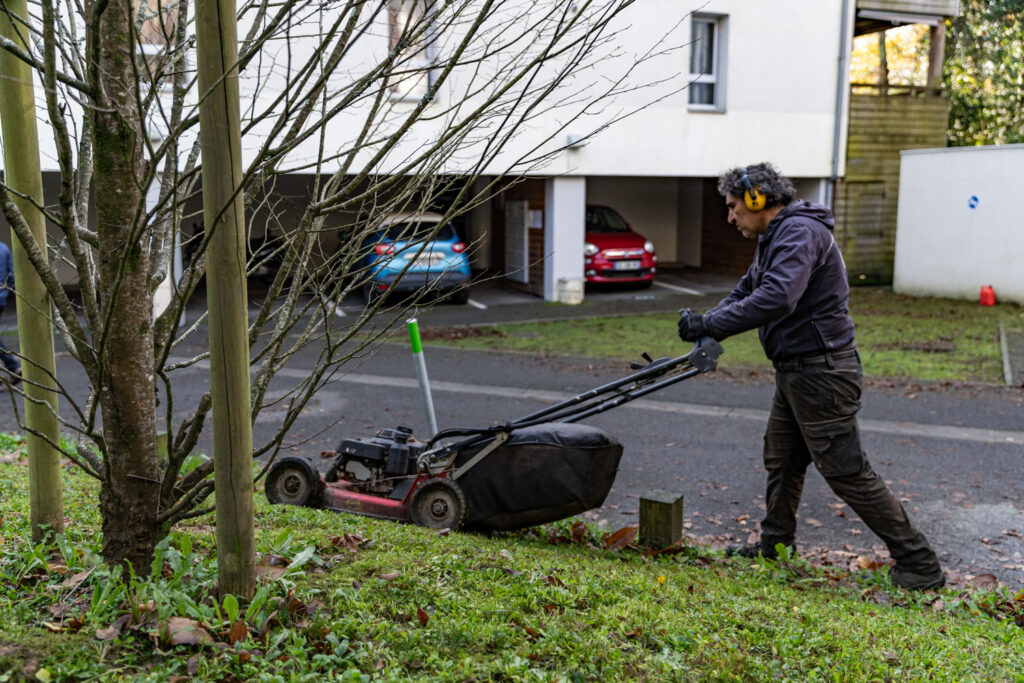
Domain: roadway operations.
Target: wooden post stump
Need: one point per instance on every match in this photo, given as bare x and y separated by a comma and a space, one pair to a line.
661, 518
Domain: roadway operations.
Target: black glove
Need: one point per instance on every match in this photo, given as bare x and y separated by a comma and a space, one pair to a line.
692, 325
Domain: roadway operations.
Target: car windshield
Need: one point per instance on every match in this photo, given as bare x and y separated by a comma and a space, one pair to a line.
407, 231
603, 219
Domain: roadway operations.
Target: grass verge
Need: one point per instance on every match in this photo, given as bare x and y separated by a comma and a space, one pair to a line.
355, 599
899, 337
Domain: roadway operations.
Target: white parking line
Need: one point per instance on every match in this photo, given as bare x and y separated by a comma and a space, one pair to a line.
476, 304
684, 290
906, 429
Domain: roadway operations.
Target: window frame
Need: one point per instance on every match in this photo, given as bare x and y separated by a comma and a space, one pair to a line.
719, 52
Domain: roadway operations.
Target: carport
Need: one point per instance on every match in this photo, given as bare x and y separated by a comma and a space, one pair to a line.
534, 228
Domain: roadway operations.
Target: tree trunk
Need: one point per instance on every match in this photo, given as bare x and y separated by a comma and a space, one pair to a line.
224, 214
35, 333
131, 487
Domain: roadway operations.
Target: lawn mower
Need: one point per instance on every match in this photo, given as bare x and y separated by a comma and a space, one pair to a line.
536, 469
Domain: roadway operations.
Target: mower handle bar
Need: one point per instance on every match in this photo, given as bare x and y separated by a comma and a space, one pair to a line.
702, 358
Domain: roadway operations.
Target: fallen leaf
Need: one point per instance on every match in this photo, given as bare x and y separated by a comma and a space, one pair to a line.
620, 539
529, 631
76, 580
239, 632
192, 665
676, 547
422, 615
57, 568
865, 562
185, 631
635, 633
985, 582
552, 580
52, 627
579, 532
348, 541
810, 521
390, 576
270, 573
114, 630
108, 633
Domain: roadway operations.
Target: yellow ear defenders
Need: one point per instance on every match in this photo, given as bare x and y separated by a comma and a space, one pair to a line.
752, 196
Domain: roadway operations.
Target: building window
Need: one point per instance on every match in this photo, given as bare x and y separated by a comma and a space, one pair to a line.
409, 36
707, 62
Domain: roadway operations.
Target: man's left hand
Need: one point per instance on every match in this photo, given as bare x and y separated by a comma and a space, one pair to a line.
692, 326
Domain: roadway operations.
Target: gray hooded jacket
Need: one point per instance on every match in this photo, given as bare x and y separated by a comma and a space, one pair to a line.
796, 291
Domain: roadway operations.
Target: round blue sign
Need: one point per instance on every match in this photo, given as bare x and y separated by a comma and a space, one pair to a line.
972, 201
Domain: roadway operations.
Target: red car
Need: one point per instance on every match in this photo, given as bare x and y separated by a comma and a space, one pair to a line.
613, 252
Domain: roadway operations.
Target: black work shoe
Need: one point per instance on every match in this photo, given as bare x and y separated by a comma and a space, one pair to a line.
914, 581
754, 550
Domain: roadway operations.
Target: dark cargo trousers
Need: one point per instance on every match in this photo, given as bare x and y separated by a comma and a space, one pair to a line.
814, 419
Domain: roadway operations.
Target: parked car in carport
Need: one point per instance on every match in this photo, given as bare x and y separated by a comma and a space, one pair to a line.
613, 252
410, 252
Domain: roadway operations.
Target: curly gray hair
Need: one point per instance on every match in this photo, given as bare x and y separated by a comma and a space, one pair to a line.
778, 189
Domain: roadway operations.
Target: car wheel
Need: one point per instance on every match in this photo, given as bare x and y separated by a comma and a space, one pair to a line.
459, 296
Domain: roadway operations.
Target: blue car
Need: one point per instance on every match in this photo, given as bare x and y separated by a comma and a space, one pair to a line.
412, 252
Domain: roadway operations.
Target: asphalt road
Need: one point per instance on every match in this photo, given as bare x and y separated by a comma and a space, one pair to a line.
953, 454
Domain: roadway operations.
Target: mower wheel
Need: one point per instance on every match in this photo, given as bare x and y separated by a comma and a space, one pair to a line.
439, 504
292, 481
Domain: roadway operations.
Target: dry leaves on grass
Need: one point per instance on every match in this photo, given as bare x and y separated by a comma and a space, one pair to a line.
351, 542
620, 539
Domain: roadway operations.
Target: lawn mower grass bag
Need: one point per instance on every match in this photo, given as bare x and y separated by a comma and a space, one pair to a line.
543, 473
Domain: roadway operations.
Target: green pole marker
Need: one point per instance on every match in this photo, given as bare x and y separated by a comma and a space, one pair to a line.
414, 336
421, 373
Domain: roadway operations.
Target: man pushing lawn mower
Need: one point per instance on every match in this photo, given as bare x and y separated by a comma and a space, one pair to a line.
796, 293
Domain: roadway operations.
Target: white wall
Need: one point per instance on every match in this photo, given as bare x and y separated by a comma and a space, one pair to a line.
781, 86
944, 247
647, 204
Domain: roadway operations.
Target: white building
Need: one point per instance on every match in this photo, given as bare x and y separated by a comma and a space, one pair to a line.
731, 82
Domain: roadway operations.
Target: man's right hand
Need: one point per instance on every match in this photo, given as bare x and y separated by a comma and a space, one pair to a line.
692, 325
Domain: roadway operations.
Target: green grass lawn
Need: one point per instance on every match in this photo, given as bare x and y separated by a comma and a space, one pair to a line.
366, 599
899, 337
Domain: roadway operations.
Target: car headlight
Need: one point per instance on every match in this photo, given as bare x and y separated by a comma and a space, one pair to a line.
649, 247
589, 249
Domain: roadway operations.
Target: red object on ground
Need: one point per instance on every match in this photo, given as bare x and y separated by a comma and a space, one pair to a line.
988, 296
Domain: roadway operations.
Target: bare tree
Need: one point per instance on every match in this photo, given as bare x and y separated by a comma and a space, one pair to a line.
379, 106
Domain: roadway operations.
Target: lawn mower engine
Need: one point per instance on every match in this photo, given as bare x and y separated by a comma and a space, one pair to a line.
376, 465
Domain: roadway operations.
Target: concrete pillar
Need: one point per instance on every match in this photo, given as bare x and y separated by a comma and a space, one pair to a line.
565, 205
